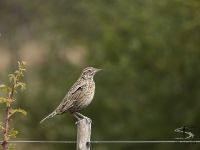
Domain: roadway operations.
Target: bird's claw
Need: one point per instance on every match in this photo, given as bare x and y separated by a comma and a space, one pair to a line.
77, 122
88, 119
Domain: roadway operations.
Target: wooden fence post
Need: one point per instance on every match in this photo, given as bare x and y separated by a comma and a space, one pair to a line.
83, 134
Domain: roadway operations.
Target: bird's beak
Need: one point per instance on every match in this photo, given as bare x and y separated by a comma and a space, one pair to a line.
97, 70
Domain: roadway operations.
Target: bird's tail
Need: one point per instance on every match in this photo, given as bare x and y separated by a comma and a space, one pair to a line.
49, 116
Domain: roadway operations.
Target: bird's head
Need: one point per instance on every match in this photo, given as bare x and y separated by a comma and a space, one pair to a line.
89, 72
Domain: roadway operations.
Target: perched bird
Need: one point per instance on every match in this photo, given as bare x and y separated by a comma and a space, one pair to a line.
79, 96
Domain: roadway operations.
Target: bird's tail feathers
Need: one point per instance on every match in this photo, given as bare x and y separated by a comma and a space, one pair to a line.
49, 116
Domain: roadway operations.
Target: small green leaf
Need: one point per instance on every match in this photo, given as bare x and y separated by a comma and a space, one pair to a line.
17, 72
23, 63
12, 78
1, 126
13, 111
5, 100
4, 88
21, 85
12, 133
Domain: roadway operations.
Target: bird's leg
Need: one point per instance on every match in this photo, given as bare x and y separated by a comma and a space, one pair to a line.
76, 116
82, 116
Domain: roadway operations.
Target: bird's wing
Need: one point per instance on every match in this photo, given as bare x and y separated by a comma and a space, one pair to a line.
77, 94
73, 95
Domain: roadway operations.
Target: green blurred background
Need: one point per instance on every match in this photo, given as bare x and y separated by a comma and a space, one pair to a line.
149, 52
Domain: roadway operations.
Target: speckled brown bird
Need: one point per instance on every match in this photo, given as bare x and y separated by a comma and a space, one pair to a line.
79, 96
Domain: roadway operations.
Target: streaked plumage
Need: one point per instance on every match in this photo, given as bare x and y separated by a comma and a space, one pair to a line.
79, 96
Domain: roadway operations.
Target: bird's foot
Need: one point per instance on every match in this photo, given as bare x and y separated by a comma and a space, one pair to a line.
77, 122
86, 118
79, 117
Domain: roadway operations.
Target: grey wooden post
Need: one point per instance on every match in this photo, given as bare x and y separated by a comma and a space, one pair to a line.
83, 134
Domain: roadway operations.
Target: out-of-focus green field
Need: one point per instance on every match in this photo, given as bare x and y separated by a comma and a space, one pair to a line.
149, 52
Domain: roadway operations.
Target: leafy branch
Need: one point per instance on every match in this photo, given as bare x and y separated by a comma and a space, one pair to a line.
14, 86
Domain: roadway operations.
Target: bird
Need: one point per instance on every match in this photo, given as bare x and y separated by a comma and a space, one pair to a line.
79, 96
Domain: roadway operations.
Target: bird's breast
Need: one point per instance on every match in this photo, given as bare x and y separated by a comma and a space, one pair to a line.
90, 93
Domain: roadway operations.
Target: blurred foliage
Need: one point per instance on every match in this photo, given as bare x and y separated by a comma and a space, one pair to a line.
149, 53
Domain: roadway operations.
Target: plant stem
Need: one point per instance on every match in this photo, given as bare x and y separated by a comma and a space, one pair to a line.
6, 129
7, 120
